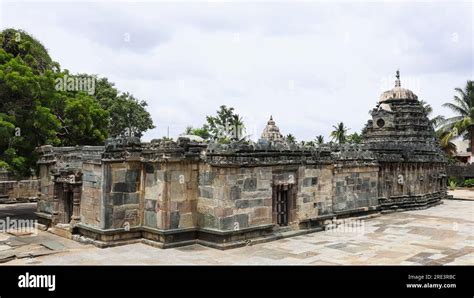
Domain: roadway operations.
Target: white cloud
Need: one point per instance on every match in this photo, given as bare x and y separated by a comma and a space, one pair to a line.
310, 65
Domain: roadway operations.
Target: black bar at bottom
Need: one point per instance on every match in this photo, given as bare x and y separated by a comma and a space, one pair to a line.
221, 281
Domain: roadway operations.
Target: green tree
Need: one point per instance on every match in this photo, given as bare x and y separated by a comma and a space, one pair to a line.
26, 97
435, 121
354, 138
319, 140
129, 116
105, 92
226, 125
202, 132
463, 123
339, 134
188, 130
7, 130
84, 121
427, 107
34, 112
31, 51
445, 139
290, 139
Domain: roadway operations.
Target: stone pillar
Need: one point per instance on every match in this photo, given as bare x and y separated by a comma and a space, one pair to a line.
76, 201
63, 203
57, 189
274, 200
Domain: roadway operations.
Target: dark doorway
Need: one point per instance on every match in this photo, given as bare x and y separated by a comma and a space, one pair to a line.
281, 204
68, 206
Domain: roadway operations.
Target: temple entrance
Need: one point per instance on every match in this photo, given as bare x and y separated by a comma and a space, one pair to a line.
66, 199
282, 207
68, 206
282, 204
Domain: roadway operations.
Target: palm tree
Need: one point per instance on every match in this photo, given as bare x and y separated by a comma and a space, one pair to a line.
290, 139
463, 123
435, 121
238, 127
226, 125
445, 140
339, 133
320, 140
444, 136
354, 138
427, 107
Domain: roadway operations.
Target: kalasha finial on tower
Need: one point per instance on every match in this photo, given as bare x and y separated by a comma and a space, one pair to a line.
397, 81
271, 122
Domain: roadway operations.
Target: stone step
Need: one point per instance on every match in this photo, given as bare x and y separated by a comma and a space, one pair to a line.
60, 232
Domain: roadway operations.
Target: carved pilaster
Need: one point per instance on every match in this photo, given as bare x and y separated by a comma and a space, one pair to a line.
55, 212
76, 196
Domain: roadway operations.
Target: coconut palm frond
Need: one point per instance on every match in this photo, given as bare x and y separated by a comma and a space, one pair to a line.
456, 109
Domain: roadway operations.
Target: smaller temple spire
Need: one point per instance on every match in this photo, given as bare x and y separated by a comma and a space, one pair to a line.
397, 81
271, 121
272, 132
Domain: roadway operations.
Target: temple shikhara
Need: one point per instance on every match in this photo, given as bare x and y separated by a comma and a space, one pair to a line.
167, 193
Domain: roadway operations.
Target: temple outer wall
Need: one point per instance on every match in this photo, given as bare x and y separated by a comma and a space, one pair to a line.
232, 199
188, 200
355, 188
45, 201
91, 198
121, 198
170, 195
19, 191
411, 185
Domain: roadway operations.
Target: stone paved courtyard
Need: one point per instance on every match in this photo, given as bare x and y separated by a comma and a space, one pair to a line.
440, 235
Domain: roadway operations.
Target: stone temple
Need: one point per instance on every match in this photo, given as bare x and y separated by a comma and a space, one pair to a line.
271, 133
167, 193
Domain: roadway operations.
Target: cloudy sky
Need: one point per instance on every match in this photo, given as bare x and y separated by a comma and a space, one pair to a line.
310, 64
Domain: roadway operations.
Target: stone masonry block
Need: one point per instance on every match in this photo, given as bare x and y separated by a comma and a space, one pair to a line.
250, 184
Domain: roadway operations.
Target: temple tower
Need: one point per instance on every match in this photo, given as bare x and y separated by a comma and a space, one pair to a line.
412, 165
271, 132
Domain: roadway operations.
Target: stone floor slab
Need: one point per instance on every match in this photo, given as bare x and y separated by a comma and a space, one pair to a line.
441, 235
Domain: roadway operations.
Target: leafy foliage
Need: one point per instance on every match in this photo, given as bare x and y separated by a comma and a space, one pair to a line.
290, 139
20, 44
34, 112
319, 140
468, 183
129, 116
225, 126
354, 138
339, 134
463, 123
202, 132
26, 97
452, 184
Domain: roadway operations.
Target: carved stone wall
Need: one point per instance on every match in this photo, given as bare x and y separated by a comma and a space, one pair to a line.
355, 188
56, 165
184, 191
91, 197
234, 199
121, 197
170, 195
